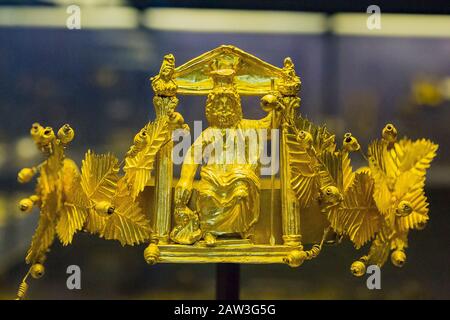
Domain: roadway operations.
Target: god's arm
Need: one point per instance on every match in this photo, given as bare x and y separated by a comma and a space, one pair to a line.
193, 158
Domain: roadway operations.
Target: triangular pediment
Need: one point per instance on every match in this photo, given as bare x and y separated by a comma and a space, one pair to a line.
253, 76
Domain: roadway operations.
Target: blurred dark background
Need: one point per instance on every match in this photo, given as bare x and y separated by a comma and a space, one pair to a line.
97, 79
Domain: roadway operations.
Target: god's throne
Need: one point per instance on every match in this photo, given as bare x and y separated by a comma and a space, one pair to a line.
219, 218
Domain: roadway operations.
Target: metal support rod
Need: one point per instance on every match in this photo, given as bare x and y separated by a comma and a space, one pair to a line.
227, 281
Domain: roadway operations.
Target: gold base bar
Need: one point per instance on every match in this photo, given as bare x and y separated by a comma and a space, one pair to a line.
232, 253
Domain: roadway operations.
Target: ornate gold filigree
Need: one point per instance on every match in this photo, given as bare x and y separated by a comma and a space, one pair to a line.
381, 202
141, 158
231, 214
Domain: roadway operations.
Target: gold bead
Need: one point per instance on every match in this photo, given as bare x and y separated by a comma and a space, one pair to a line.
404, 209
330, 195
141, 138
104, 207
398, 258
66, 134
295, 258
35, 131
305, 139
37, 270
151, 254
25, 175
389, 133
269, 102
26, 205
358, 268
350, 143
46, 135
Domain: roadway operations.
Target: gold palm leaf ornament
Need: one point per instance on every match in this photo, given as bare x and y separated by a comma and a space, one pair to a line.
141, 157
75, 207
96, 200
233, 213
307, 143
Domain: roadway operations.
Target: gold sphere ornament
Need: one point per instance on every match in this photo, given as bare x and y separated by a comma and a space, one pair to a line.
350, 143
35, 131
305, 139
47, 135
331, 195
26, 205
404, 209
151, 254
37, 270
269, 102
141, 138
358, 268
66, 134
104, 207
25, 175
295, 258
389, 133
398, 258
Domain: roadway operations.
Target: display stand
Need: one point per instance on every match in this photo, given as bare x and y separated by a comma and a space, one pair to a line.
227, 281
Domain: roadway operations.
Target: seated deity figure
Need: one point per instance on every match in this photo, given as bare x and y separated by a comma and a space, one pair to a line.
227, 202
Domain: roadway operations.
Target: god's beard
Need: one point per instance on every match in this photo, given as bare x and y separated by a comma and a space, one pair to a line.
223, 109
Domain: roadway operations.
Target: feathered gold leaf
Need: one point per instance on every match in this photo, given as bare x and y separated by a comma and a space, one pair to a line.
99, 176
323, 140
380, 247
305, 169
138, 168
75, 208
398, 169
49, 189
331, 170
45, 231
417, 155
380, 162
123, 189
304, 178
128, 224
407, 182
384, 167
48, 180
419, 215
95, 222
72, 220
357, 216
336, 170
347, 172
41, 241
50, 170
70, 172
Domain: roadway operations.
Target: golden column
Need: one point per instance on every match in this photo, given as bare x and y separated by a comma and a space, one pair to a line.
290, 208
165, 103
